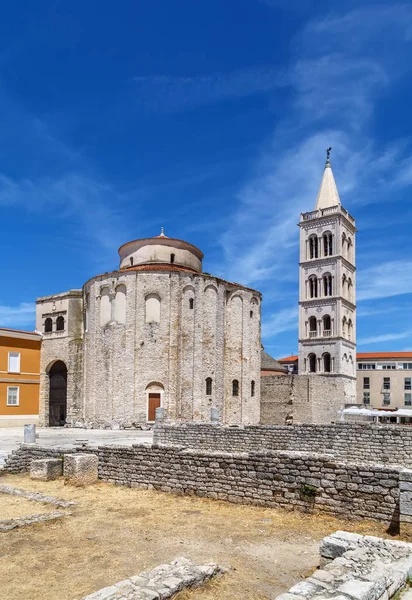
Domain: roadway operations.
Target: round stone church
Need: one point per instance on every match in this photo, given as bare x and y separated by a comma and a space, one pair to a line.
157, 332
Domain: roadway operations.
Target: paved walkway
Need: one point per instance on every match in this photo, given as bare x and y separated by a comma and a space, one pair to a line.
11, 437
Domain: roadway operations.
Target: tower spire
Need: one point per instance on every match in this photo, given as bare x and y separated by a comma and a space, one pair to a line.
328, 194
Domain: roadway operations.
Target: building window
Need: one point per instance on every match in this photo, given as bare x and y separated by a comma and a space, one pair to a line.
327, 284
14, 362
60, 323
131, 261
386, 399
313, 246
366, 397
407, 366
366, 383
366, 366
312, 363
326, 362
251, 314
152, 308
312, 327
252, 388
350, 289
408, 399
386, 383
48, 325
191, 303
172, 259
408, 383
13, 396
350, 329
235, 387
313, 286
387, 366
327, 326
327, 244
209, 386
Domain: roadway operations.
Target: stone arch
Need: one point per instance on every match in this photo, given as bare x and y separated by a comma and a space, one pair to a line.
120, 303
57, 401
105, 306
154, 399
152, 312
210, 287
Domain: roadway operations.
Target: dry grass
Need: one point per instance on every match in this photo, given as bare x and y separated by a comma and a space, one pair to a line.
116, 532
12, 507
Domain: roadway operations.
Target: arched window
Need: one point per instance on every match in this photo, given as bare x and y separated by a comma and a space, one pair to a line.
344, 326
172, 258
313, 247
313, 286
312, 363
327, 284
349, 253
152, 308
344, 244
60, 323
313, 326
48, 325
350, 289
209, 386
327, 326
326, 362
344, 285
105, 307
131, 261
86, 312
191, 303
251, 314
327, 243
252, 388
350, 329
120, 304
235, 387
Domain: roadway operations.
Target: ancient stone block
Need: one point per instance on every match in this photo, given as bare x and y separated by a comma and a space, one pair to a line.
46, 469
80, 469
30, 434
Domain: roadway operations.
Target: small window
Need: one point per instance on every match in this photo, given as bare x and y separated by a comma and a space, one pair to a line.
60, 323
408, 383
386, 383
191, 303
327, 362
251, 314
48, 325
172, 259
14, 362
408, 399
209, 386
313, 287
366, 397
312, 363
131, 261
313, 327
366, 383
235, 387
327, 244
13, 396
407, 366
252, 388
386, 399
327, 285
313, 246
366, 366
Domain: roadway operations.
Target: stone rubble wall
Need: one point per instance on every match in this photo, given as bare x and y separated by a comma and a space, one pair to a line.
349, 441
164, 581
357, 568
305, 481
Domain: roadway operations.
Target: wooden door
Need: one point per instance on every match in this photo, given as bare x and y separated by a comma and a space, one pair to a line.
154, 402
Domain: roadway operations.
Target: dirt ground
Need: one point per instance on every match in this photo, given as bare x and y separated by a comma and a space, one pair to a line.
12, 507
116, 532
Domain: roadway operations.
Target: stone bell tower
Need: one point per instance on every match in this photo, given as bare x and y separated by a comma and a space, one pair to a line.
327, 286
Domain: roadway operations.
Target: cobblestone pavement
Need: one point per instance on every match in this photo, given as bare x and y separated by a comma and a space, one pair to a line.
11, 437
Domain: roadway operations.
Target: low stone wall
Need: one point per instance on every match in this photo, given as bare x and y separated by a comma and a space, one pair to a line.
384, 444
305, 481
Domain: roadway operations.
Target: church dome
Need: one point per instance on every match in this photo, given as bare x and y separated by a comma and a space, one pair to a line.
160, 250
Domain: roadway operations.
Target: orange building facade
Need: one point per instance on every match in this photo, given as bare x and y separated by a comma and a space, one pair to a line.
19, 377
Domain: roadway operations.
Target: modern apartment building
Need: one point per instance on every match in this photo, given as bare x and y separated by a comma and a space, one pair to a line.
383, 379
19, 377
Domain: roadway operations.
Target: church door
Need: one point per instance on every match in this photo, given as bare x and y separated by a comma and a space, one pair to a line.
154, 402
58, 394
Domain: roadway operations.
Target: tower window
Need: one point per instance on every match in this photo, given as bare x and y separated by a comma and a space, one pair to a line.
312, 327
251, 314
313, 247
131, 261
172, 258
327, 244
235, 387
327, 326
327, 285
209, 386
60, 323
48, 325
366, 383
326, 363
313, 286
252, 388
312, 363
191, 303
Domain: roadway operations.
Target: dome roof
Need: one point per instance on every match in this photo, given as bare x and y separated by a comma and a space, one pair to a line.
160, 250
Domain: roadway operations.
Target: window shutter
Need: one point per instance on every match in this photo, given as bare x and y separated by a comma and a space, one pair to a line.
14, 362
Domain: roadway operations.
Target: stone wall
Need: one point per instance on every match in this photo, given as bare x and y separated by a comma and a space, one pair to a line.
274, 479
304, 398
349, 441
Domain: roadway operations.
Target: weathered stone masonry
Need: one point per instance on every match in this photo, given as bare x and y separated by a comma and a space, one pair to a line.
349, 441
266, 478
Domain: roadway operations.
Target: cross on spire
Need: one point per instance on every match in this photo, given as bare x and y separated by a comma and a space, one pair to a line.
328, 151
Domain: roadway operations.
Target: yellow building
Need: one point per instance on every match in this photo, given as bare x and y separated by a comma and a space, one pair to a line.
19, 377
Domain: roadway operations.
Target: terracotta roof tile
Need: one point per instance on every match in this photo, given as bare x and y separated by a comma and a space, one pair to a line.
18, 331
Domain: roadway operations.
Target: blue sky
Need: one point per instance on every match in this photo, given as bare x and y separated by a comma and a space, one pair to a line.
210, 118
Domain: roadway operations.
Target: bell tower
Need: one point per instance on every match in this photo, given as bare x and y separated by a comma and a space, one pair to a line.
327, 285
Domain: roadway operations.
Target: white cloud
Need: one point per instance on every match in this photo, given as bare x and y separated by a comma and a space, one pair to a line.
392, 278
386, 337
284, 320
21, 315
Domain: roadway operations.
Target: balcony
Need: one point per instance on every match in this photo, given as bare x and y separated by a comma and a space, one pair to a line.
313, 334
324, 212
327, 333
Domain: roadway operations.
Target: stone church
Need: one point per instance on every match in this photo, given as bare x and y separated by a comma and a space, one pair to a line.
157, 332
